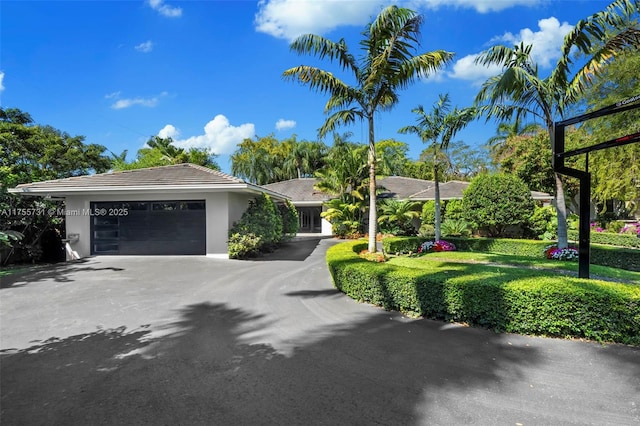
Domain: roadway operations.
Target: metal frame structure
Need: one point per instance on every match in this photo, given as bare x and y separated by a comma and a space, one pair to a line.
559, 155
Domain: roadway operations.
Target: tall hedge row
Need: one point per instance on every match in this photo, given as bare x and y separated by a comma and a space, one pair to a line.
531, 303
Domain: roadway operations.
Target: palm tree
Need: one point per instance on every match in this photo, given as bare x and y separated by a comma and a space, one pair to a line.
387, 65
520, 91
498, 143
438, 128
400, 213
345, 173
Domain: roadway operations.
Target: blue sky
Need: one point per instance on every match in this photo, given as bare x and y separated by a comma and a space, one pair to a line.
208, 73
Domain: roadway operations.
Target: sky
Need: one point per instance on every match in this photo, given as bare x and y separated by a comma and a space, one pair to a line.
209, 73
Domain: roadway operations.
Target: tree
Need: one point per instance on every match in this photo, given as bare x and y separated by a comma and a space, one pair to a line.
392, 156
387, 65
618, 81
438, 128
398, 216
493, 202
497, 144
32, 153
520, 91
345, 174
162, 152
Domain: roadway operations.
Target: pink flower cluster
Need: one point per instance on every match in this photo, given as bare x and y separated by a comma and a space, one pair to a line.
631, 228
440, 245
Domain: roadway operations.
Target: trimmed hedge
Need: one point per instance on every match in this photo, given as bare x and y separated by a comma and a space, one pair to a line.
609, 238
527, 302
615, 257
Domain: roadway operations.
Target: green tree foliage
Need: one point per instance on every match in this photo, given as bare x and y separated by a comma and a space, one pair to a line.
264, 160
521, 91
497, 144
438, 128
542, 224
529, 158
345, 174
346, 218
619, 80
31, 153
388, 63
397, 216
493, 202
454, 210
261, 220
392, 157
418, 170
290, 220
162, 152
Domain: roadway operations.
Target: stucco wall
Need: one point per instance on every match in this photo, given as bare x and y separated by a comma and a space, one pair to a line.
222, 209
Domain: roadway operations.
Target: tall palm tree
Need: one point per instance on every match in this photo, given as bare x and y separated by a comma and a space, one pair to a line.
520, 90
387, 65
438, 128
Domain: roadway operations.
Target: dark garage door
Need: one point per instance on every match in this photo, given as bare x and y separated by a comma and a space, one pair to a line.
148, 227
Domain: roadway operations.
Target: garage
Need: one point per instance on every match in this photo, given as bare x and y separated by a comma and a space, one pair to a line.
166, 227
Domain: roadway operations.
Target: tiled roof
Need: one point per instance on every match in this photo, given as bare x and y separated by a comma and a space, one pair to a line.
400, 187
299, 190
448, 191
302, 190
174, 175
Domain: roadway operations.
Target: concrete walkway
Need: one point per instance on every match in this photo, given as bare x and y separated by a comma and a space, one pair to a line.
198, 341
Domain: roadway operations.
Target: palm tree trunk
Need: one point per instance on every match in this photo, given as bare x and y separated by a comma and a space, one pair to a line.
373, 213
437, 192
561, 209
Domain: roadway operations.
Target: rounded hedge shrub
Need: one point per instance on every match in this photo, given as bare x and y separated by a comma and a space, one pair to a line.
262, 220
493, 202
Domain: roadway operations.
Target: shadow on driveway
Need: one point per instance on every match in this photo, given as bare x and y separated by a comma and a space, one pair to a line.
374, 371
59, 272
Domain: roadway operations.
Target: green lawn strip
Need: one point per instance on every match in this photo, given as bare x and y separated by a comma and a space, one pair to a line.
569, 268
500, 297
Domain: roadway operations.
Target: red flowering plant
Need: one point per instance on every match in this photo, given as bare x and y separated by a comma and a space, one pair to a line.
553, 252
440, 245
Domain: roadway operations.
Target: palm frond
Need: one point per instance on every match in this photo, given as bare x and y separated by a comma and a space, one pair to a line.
321, 47
339, 118
318, 80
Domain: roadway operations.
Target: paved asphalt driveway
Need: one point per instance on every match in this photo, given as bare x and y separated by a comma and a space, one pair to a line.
197, 341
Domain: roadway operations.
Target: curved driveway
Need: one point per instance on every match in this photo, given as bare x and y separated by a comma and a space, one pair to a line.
198, 341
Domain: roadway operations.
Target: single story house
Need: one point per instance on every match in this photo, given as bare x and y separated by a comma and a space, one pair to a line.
309, 201
182, 209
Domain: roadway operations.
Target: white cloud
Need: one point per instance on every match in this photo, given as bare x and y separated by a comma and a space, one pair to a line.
129, 102
145, 47
547, 42
283, 124
290, 18
165, 10
112, 95
481, 6
467, 69
219, 135
1, 81
169, 131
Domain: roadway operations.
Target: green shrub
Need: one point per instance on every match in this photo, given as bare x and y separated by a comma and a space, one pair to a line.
243, 245
509, 300
290, 220
609, 238
263, 220
493, 202
615, 226
455, 228
428, 216
542, 224
454, 210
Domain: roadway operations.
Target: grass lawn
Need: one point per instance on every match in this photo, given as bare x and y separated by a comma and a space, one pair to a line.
16, 269
517, 265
